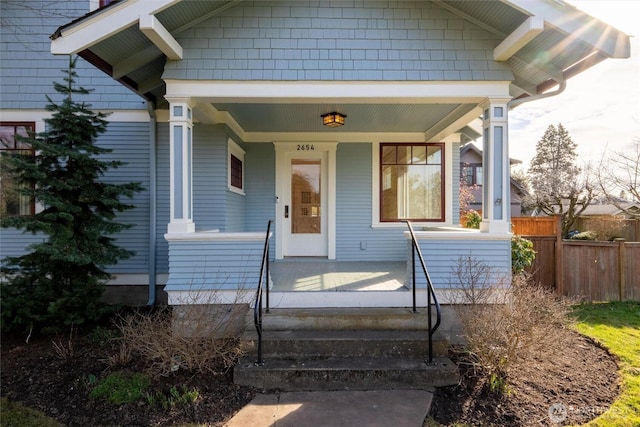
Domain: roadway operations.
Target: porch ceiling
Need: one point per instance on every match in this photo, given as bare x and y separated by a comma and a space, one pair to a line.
134, 51
360, 117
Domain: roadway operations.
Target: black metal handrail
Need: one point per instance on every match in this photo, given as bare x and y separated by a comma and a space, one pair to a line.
415, 249
257, 308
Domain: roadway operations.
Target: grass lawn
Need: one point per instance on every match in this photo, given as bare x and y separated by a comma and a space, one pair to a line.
17, 415
616, 325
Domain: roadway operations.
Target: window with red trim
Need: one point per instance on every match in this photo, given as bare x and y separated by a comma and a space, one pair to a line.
12, 202
411, 182
236, 172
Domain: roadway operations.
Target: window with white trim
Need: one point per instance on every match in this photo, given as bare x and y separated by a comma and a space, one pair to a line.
235, 167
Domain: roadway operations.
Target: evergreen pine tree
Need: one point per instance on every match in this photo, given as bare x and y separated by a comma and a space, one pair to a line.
60, 281
555, 179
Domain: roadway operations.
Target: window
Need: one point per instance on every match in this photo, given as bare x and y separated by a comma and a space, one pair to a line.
411, 182
236, 172
12, 203
235, 167
471, 173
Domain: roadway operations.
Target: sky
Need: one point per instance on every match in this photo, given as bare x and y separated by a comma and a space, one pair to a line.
600, 107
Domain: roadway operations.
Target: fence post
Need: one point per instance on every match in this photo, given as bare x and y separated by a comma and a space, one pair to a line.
558, 255
622, 265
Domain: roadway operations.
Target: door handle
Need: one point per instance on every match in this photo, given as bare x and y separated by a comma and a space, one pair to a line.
286, 211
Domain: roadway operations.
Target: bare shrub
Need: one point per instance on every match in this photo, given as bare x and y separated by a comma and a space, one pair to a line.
64, 348
121, 357
152, 335
477, 279
504, 329
606, 227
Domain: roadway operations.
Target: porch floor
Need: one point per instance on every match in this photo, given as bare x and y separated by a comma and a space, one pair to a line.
304, 274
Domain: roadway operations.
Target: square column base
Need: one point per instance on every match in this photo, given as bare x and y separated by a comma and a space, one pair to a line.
495, 227
181, 227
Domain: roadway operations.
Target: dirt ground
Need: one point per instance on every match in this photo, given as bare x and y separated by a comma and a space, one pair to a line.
567, 388
582, 379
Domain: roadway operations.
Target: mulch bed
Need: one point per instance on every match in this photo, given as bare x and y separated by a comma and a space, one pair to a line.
570, 387
582, 378
35, 376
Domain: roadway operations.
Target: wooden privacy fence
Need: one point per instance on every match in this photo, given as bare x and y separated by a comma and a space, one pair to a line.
600, 271
592, 270
534, 225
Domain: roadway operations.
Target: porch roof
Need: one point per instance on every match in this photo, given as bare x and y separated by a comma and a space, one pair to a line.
132, 40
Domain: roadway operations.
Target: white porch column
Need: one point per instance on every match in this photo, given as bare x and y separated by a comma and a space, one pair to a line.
181, 164
495, 161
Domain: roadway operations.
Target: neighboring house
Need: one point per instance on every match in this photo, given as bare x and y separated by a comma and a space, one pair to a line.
471, 173
218, 107
622, 209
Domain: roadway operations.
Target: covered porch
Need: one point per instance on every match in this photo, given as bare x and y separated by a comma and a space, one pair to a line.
224, 268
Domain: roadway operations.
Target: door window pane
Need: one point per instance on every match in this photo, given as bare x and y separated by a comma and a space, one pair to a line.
305, 196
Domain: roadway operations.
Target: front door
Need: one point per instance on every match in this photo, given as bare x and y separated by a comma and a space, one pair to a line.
305, 213
304, 201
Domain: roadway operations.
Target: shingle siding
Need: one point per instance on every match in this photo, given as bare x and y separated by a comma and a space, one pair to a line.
392, 40
28, 69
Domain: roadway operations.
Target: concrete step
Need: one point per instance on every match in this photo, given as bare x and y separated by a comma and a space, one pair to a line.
346, 374
392, 319
342, 343
345, 349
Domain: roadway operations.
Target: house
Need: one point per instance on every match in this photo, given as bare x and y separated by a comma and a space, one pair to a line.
471, 173
335, 120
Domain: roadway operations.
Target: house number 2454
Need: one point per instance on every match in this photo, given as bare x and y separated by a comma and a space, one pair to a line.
305, 147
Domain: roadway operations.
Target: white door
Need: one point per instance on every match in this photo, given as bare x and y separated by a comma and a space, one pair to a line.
303, 205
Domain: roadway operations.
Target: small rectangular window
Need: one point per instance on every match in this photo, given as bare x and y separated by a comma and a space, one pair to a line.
236, 172
235, 167
12, 202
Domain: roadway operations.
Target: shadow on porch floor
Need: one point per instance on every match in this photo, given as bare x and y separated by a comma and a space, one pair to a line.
324, 275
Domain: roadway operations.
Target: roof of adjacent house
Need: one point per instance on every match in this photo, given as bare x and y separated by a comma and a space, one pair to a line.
621, 208
470, 146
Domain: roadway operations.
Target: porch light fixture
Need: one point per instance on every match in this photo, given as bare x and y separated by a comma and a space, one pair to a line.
333, 119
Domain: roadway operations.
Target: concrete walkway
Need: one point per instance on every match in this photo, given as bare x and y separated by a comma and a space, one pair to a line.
377, 408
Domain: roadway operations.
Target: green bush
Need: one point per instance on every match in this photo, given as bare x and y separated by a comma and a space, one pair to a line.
522, 254
119, 388
175, 398
472, 219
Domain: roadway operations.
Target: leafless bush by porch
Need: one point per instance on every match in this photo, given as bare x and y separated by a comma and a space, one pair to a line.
202, 338
505, 329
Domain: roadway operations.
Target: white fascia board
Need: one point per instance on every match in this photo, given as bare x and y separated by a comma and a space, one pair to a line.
526, 32
345, 92
576, 23
39, 116
160, 36
94, 29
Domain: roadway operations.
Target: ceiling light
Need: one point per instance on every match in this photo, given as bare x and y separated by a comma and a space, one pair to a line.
333, 119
